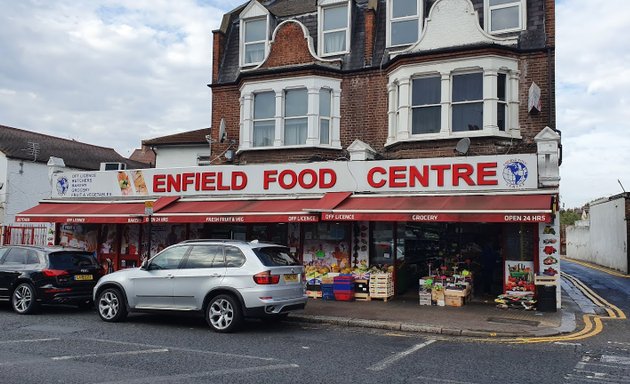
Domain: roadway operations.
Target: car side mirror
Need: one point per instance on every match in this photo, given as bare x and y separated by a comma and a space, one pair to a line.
145, 265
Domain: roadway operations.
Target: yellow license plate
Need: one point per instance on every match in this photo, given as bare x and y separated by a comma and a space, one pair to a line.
293, 278
83, 277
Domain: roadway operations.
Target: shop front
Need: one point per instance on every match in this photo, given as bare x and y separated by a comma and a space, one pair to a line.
477, 224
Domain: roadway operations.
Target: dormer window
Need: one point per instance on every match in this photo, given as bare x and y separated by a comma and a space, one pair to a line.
254, 34
505, 15
254, 41
334, 27
404, 21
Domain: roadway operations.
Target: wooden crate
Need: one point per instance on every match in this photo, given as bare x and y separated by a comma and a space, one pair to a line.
454, 301
314, 294
360, 296
424, 298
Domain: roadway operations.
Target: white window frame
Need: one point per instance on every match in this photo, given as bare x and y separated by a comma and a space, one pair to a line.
391, 20
400, 101
326, 118
313, 84
328, 4
522, 19
253, 12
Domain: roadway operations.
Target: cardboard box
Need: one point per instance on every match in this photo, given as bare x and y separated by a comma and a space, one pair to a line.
453, 301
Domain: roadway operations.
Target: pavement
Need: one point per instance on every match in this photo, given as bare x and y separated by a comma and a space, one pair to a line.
477, 318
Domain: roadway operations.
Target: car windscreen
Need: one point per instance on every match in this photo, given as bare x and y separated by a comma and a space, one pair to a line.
71, 260
275, 256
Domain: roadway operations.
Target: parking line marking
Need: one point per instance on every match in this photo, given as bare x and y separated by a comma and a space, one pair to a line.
28, 340
161, 350
184, 349
197, 375
392, 359
426, 379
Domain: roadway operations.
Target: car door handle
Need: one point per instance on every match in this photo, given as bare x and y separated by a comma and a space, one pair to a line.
169, 276
215, 275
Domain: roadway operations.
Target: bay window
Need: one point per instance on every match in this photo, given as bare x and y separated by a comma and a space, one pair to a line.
295, 112
454, 99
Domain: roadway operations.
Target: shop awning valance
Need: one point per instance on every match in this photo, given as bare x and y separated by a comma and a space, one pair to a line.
249, 211
92, 212
460, 208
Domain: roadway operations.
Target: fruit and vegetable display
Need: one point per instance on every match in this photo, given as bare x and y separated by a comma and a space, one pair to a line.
520, 277
526, 302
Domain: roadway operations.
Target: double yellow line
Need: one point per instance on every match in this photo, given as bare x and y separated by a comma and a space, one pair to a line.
592, 323
597, 267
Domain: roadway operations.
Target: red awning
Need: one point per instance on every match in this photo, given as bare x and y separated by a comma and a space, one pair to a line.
492, 208
106, 212
91, 212
242, 211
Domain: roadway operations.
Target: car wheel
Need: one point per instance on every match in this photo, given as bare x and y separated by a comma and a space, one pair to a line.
111, 305
223, 314
23, 299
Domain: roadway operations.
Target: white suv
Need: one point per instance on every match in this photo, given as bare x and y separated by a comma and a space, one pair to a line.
225, 279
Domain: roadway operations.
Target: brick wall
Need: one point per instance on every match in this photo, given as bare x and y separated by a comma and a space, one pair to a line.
289, 47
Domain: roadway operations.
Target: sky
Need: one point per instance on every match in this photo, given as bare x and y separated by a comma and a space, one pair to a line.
116, 72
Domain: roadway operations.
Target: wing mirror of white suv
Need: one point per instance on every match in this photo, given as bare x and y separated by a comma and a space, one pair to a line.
145, 265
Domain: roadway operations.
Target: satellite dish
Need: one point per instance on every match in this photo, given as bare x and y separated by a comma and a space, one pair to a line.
222, 133
462, 146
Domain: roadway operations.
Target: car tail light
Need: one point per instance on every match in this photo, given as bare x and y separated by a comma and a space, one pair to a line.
54, 272
266, 278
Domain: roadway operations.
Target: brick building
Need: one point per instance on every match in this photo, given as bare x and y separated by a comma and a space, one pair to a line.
401, 135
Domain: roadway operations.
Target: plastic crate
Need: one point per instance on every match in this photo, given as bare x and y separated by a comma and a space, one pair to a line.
328, 292
343, 287
344, 295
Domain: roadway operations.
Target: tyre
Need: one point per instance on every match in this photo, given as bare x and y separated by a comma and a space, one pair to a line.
23, 299
223, 314
111, 305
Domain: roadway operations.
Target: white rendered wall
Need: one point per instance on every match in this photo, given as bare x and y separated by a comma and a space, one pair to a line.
578, 242
608, 237
27, 184
170, 157
3, 182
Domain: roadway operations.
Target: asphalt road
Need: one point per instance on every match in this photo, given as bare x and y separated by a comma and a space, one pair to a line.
66, 345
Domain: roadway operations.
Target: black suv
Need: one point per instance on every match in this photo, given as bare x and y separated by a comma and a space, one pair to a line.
34, 275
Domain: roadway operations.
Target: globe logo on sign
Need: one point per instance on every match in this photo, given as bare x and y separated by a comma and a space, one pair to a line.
62, 185
515, 173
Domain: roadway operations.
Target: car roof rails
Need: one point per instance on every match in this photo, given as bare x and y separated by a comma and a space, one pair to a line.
212, 240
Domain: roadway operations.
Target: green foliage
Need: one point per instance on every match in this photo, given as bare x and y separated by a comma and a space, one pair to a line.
569, 217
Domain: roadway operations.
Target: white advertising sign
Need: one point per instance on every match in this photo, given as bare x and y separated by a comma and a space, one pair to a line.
504, 172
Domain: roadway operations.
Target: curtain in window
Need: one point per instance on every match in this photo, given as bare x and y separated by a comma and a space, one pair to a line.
263, 133
335, 42
295, 131
254, 53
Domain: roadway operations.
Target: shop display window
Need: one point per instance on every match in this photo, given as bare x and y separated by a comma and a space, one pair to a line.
82, 236
273, 233
382, 245
108, 239
327, 247
130, 239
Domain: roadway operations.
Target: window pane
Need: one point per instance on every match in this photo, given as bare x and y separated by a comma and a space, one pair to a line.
296, 102
401, 8
255, 30
264, 105
404, 32
335, 42
335, 18
467, 117
324, 131
234, 257
426, 120
501, 112
295, 131
205, 256
71, 260
263, 133
504, 18
254, 53
169, 258
275, 256
426, 90
324, 102
501, 86
468, 87
498, 2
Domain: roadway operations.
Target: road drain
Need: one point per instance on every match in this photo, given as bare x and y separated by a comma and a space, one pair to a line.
503, 320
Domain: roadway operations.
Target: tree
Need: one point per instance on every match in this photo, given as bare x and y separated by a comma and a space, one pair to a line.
569, 216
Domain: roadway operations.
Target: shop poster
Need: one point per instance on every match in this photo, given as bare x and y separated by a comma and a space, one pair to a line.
519, 277
549, 248
82, 236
